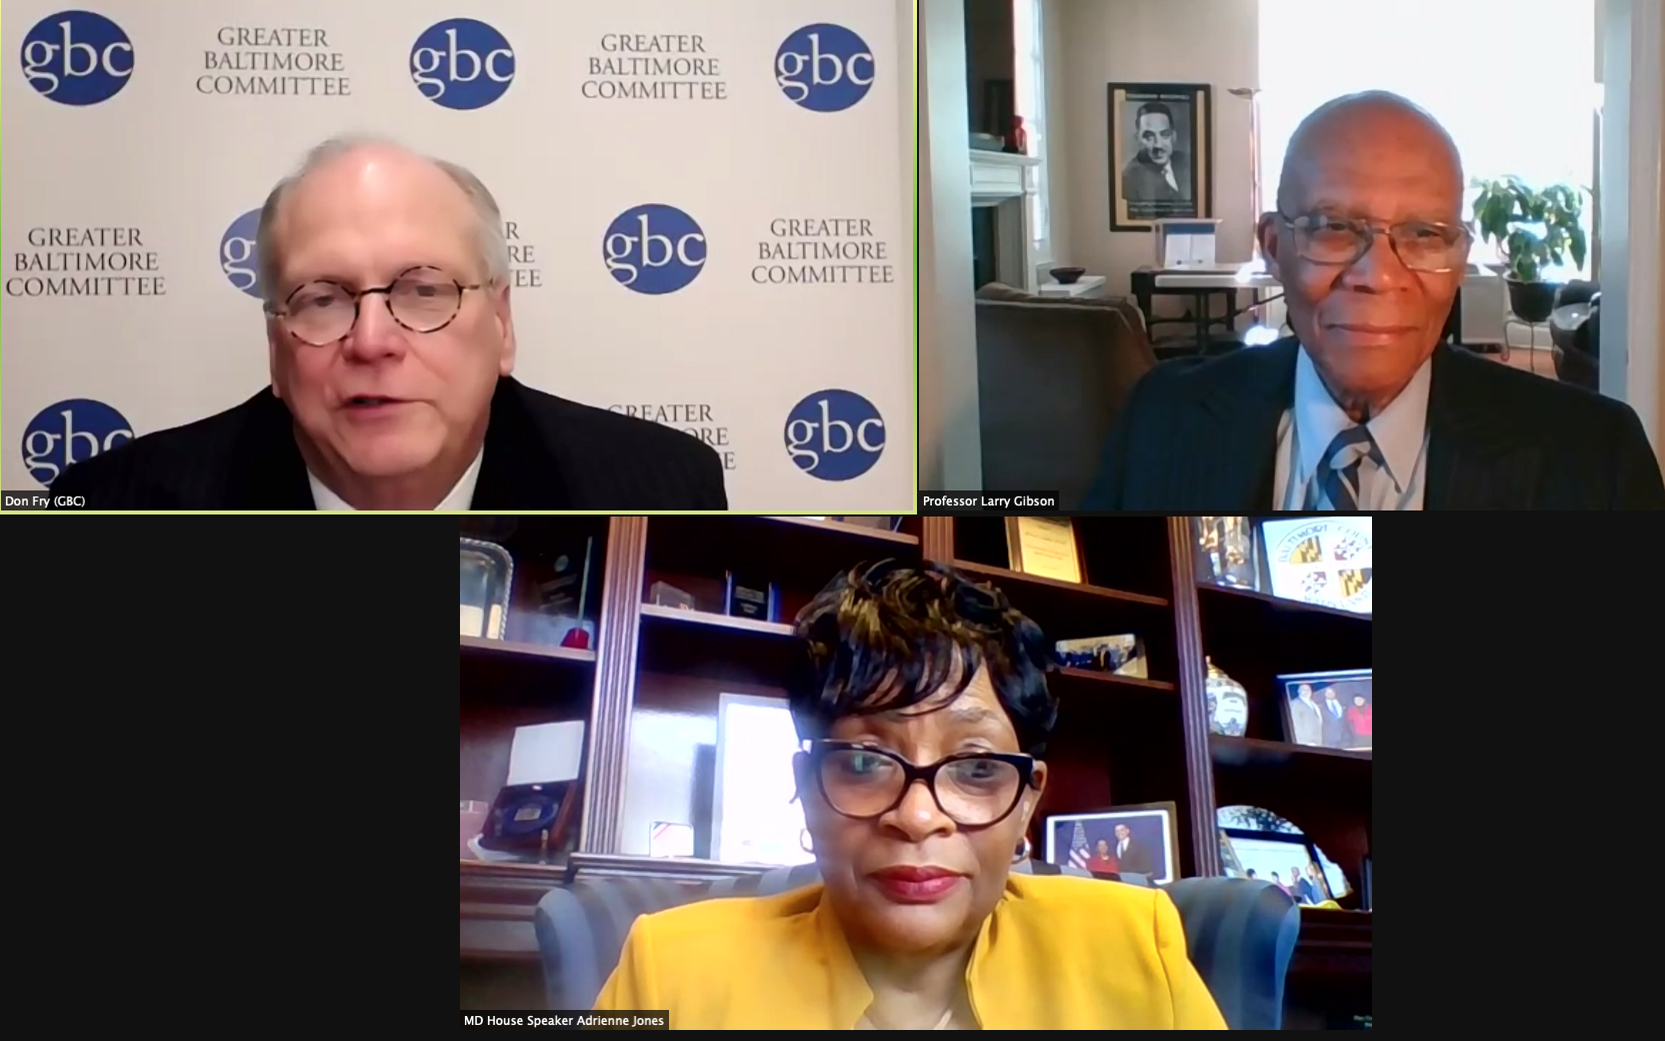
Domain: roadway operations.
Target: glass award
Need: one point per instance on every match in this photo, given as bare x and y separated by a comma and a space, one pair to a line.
486, 572
1226, 552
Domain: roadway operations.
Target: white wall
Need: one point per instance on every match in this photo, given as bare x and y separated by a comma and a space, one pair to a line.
1633, 268
1153, 41
950, 442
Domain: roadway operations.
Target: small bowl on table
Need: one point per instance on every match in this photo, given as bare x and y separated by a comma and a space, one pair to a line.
1067, 276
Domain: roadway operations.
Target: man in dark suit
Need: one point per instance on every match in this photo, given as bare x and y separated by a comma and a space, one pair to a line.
1158, 173
1131, 854
391, 342
1337, 734
1364, 408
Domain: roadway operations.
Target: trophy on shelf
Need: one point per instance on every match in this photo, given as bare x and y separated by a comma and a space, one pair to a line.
1226, 552
486, 573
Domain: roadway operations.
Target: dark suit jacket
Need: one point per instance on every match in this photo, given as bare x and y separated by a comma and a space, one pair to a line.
542, 453
1142, 181
1337, 734
1199, 436
1135, 859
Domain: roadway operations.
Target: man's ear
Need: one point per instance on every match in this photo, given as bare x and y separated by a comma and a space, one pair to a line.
1266, 232
274, 344
504, 315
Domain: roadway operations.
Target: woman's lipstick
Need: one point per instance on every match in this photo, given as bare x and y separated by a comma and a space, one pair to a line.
916, 885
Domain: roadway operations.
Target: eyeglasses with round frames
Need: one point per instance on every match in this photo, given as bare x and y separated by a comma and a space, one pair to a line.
973, 789
1430, 247
422, 299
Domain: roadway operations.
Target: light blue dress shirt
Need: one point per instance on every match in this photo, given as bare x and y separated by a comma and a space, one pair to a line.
1313, 421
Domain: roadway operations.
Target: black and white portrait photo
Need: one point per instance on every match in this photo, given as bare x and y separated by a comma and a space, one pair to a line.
1159, 136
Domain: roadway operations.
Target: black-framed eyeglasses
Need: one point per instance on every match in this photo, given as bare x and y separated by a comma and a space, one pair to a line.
1431, 247
422, 299
973, 789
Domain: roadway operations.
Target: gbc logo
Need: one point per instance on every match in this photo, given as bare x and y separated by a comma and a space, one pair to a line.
237, 253
462, 64
71, 432
824, 68
77, 58
654, 249
835, 435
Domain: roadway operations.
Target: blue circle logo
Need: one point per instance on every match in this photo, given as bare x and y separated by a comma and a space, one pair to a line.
835, 435
824, 68
654, 249
238, 258
71, 432
462, 64
77, 58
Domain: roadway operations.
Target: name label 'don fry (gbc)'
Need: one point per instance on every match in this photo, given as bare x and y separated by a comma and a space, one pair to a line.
569, 1020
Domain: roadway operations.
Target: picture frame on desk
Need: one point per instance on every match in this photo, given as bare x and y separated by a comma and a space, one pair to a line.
1095, 841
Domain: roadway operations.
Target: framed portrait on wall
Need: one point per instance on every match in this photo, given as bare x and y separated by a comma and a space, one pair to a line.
1161, 143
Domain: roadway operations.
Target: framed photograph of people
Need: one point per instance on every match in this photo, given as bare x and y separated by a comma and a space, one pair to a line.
1125, 840
1161, 138
1328, 709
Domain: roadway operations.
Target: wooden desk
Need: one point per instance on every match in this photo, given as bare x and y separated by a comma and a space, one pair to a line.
1201, 285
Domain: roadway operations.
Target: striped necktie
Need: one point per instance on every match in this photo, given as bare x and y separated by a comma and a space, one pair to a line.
1337, 484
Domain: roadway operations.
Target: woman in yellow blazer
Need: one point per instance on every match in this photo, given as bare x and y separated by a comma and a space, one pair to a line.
925, 713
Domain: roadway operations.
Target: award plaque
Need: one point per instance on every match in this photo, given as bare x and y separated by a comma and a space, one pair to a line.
1044, 547
1324, 561
1226, 551
486, 574
532, 820
556, 580
751, 598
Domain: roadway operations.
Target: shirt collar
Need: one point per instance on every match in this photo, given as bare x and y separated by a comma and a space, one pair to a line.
1398, 429
459, 498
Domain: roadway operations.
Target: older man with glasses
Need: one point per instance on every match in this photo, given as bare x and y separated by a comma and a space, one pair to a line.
391, 341
1365, 408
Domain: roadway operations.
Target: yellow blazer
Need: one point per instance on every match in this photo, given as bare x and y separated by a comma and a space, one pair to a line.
1058, 952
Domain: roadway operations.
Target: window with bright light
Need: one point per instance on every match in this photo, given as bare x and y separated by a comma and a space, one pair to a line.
1029, 97
1513, 81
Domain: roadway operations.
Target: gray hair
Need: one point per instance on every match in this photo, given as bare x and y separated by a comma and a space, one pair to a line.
493, 243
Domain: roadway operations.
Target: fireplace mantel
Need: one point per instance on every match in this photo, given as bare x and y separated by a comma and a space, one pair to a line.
1004, 182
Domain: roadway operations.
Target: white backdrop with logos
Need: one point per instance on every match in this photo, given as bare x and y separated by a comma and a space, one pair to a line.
708, 205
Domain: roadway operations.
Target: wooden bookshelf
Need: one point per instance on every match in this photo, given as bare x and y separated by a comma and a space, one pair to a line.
648, 690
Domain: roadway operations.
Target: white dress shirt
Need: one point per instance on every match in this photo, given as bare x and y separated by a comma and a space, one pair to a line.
1313, 421
462, 494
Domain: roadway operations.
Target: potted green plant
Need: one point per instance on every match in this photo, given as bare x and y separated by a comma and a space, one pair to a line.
1533, 229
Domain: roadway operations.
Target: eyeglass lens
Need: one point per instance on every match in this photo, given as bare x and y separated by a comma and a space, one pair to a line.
1421, 246
421, 301
972, 791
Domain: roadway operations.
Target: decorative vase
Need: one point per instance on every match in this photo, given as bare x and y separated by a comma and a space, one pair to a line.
1228, 703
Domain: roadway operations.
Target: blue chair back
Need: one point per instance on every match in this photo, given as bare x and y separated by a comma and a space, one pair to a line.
1240, 933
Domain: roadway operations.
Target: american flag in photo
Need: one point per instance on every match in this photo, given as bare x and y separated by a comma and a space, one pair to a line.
1078, 847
